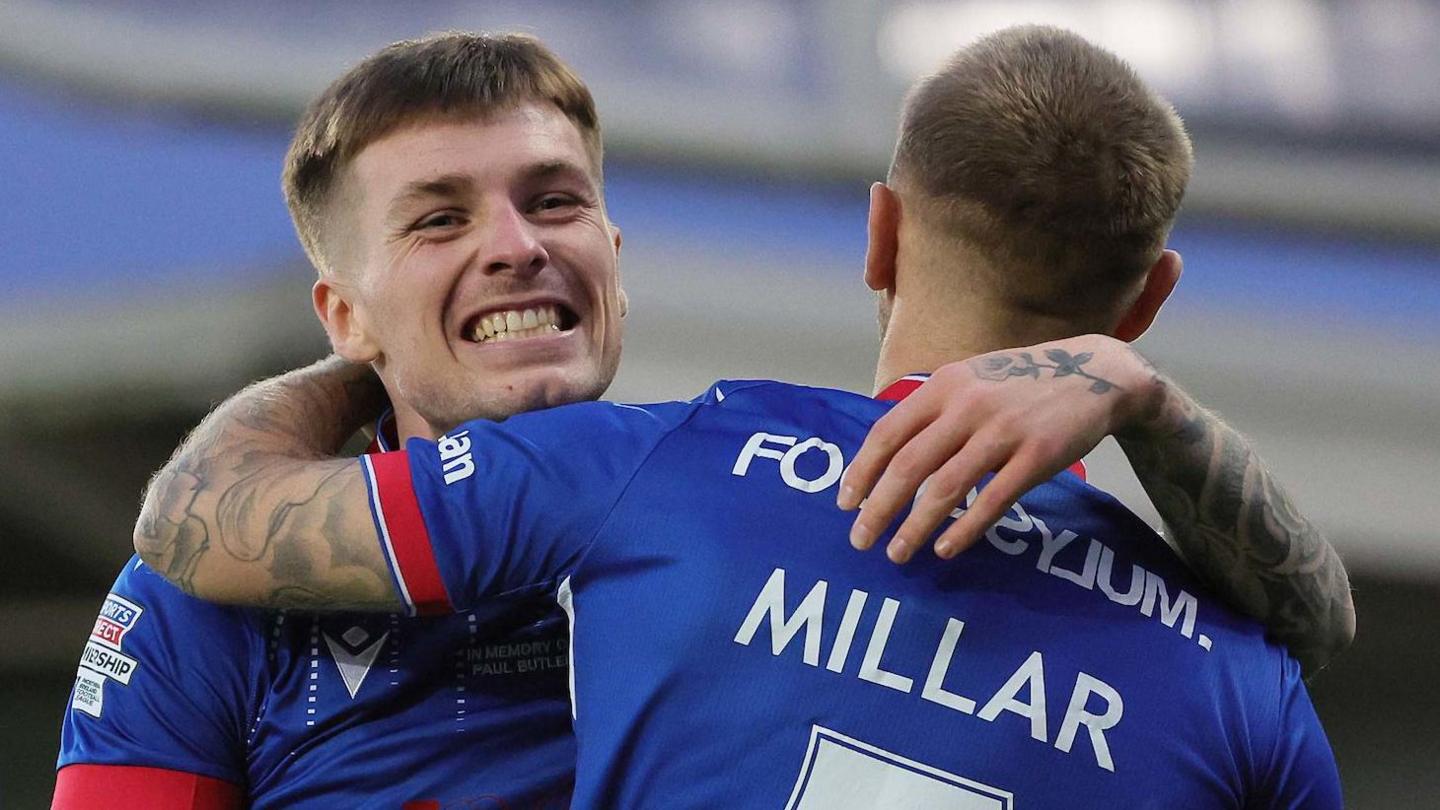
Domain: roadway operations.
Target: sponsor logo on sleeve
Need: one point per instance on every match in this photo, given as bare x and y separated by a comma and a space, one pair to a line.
89, 692
117, 616
103, 659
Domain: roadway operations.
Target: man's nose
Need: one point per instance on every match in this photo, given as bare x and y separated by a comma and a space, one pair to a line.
512, 244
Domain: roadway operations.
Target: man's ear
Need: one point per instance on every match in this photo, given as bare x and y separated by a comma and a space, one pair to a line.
337, 314
619, 240
1160, 281
883, 228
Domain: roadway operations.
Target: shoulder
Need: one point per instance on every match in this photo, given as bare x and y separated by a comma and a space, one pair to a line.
143, 601
165, 680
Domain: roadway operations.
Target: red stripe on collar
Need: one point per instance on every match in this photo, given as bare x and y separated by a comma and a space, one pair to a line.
901, 388
905, 386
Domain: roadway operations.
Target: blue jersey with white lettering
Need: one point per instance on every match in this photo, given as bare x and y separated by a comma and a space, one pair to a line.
329, 710
731, 650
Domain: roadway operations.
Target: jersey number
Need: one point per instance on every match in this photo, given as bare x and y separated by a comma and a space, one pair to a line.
840, 771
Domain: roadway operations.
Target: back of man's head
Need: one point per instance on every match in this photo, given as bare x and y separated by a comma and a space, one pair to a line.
1048, 159
453, 74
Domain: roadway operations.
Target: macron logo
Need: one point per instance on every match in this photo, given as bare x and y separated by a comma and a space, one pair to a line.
455, 459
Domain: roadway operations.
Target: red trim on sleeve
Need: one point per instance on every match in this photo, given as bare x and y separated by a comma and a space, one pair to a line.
132, 787
409, 541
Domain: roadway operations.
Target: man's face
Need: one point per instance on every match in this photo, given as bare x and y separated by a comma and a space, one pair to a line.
482, 269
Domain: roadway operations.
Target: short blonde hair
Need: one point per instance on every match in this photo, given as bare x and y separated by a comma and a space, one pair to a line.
449, 74
1052, 158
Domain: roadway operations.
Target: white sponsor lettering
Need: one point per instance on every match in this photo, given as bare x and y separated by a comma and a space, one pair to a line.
755, 448
107, 662
1184, 604
455, 460
1014, 534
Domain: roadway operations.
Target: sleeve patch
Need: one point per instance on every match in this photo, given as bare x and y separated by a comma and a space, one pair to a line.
117, 617
89, 696
102, 659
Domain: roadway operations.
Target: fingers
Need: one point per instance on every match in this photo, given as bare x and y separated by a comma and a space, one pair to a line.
886, 437
945, 490
902, 477
1017, 477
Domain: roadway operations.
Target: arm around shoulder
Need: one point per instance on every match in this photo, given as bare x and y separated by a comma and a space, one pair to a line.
1237, 527
254, 509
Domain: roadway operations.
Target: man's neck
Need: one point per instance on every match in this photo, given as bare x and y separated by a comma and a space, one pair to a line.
409, 424
918, 341
909, 350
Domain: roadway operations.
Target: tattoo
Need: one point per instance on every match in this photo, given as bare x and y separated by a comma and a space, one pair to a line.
245, 511
1000, 367
1238, 529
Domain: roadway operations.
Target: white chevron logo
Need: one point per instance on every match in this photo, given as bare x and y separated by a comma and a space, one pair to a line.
354, 666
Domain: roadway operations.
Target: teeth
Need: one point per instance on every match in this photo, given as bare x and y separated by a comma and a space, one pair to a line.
516, 324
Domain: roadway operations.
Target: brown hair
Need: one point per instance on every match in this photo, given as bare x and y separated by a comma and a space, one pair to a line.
1052, 158
448, 74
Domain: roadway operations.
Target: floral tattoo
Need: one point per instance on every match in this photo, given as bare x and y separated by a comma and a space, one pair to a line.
1001, 367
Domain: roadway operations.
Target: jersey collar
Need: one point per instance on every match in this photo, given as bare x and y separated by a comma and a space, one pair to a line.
387, 435
901, 388
905, 386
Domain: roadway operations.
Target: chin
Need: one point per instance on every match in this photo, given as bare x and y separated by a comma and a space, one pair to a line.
547, 388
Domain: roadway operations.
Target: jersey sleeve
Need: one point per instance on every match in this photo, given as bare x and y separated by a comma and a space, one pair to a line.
132, 787
1301, 773
494, 508
164, 682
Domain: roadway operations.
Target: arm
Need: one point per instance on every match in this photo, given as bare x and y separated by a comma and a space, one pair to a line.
254, 509
1237, 527
1027, 414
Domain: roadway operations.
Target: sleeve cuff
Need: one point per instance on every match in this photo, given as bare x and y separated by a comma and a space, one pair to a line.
404, 540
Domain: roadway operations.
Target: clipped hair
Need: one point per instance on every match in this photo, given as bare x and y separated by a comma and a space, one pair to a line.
447, 74
1050, 156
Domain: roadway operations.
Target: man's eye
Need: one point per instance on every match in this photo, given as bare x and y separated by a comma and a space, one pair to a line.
554, 202
438, 221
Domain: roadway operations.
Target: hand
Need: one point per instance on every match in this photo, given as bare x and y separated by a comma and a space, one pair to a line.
1023, 414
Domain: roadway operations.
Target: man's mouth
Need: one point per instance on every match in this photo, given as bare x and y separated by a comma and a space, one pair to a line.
519, 324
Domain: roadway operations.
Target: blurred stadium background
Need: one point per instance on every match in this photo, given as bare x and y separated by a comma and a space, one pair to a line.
148, 267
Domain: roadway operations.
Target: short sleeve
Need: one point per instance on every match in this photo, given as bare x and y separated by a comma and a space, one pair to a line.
494, 508
1301, 773
163, 682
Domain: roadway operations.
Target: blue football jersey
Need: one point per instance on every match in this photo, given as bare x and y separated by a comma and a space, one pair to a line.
730, 649
329, 710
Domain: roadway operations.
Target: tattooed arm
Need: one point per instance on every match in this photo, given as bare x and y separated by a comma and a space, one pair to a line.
254, 508
1236, 526
1029, 413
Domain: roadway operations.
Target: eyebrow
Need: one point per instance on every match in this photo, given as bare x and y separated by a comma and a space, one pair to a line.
448, 185
454, 185
545, 169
